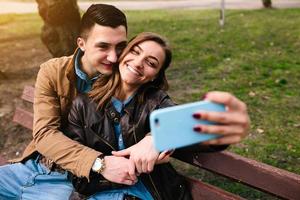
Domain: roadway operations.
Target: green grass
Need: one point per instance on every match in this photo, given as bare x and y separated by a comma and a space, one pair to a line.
18, 26
256, 56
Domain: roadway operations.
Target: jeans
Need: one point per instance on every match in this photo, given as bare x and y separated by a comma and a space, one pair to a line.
33, 181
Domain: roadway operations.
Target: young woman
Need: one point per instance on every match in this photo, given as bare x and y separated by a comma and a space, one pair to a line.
115, 116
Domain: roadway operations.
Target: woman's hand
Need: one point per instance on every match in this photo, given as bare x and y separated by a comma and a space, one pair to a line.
119, 170
234, 122
143, 154
164, 157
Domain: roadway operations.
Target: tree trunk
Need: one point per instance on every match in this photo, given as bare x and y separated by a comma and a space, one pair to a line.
61, 25
267, 3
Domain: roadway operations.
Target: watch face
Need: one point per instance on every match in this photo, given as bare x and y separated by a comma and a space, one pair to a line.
97, 165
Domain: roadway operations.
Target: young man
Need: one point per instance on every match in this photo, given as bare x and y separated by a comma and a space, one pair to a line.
103, 35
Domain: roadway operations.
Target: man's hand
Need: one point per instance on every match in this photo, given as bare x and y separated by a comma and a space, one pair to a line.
143, 154
235, 121
119, 170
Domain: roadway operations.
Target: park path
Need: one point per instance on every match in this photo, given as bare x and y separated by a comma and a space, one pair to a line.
31, 7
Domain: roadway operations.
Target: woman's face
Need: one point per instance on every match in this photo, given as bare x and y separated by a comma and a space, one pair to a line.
142, 64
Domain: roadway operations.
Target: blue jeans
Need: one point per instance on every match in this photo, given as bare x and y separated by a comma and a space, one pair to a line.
33, 181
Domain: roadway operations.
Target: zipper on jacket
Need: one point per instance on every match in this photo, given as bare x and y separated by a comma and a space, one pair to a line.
159, 197
106, 142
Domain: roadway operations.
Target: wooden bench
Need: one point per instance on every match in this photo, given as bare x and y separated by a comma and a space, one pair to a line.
263, 177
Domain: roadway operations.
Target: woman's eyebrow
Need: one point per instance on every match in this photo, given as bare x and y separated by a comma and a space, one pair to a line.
138, 47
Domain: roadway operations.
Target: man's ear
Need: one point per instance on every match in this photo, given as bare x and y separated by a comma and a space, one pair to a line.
81, 43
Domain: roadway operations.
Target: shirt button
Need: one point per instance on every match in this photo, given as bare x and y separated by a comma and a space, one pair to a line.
113, 114
116, 120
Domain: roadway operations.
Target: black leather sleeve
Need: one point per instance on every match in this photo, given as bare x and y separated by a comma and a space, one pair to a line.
75, 127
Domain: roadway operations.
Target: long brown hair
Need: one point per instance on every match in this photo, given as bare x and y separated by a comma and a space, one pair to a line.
109, 85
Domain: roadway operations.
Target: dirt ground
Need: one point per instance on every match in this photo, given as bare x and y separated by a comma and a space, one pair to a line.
19, 64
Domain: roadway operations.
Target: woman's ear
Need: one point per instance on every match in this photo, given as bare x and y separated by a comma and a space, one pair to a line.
81, 43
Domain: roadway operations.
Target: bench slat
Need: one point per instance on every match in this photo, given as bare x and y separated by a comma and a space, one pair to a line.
28, 93
23, 117
3, 161
264, 177
206, 191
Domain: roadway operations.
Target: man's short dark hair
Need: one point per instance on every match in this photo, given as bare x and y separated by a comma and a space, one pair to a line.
104, 15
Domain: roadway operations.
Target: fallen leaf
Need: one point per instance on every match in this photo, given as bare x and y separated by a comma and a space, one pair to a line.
252, 94
296, 125
265, 97
259, 130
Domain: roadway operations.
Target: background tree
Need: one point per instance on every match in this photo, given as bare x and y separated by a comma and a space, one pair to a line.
267, 3
61, 25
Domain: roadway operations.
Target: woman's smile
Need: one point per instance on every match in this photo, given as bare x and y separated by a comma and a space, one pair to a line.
142, 63
134, 70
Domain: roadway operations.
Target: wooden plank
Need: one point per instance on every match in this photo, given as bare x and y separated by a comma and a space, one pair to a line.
23, 117
28, 93
264, 177
3, 161
206, 191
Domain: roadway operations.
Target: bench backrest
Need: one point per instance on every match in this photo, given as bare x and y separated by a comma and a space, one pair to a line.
21, 115
3, 161
263, 177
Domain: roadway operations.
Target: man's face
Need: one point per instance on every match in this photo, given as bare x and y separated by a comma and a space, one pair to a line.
102, 47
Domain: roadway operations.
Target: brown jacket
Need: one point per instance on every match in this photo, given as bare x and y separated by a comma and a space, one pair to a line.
55, 90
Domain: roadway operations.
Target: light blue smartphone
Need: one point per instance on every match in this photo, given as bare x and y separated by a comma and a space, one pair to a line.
173, 127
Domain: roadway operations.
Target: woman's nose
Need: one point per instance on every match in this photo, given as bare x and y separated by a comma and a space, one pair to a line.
138, 61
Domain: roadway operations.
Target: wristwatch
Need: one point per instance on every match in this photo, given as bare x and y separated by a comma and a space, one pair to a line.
99, 165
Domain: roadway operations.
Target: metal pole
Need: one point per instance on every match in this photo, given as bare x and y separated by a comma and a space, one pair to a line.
222, 13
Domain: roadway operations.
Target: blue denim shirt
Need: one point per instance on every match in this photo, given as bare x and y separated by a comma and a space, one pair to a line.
138, 190
83, 83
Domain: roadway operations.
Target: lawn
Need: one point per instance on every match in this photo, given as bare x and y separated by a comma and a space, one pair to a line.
256, 56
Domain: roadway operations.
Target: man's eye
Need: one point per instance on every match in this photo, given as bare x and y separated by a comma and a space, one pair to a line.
120, 48
102, 47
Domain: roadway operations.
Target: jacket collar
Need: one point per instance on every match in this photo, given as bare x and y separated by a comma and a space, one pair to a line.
129, 108
70, 71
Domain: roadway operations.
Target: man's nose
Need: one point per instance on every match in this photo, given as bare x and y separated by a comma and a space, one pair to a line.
112, 56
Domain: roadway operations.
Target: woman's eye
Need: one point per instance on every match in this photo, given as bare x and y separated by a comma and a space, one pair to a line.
134, 51
150, 63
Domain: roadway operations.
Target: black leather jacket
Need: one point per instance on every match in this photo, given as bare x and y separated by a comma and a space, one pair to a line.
94, 128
